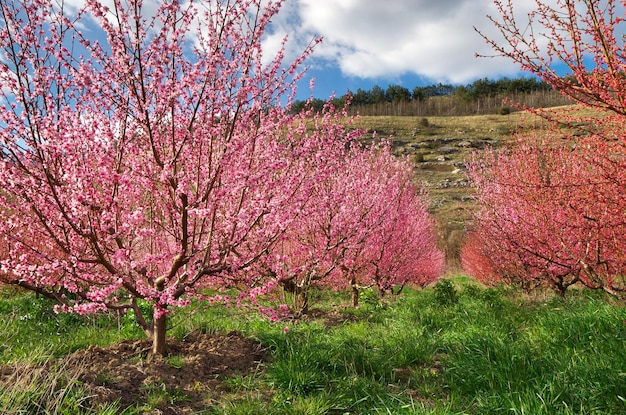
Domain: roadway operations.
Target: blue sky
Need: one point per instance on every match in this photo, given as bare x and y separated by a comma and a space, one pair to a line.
383, 42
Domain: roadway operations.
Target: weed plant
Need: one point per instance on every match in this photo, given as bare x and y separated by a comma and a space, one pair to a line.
491, 351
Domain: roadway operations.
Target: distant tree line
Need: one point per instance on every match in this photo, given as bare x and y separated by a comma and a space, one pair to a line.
482, 96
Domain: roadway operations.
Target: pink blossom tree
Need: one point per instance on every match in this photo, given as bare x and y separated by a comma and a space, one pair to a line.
145, 154
369, 227
574, 45
313, 247
399, 246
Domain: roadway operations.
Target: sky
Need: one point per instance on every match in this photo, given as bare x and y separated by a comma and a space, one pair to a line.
384, 42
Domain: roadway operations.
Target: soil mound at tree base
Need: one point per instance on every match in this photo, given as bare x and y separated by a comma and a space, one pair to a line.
189, 378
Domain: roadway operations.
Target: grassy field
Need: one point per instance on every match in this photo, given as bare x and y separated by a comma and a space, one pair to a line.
454, 348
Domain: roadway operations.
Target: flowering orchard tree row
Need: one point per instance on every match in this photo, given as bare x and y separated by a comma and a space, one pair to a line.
146, 154
369, 227
549, 215
552, 208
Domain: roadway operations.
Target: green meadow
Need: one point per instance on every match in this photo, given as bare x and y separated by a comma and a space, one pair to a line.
453, 348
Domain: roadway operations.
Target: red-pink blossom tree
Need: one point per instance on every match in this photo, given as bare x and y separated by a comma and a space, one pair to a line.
476, 258
145, 154
548, 214
554, 211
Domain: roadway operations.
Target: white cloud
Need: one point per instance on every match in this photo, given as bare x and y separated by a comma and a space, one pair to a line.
384, 39
390, 38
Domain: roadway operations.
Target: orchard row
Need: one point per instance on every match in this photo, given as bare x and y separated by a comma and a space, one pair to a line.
147, 156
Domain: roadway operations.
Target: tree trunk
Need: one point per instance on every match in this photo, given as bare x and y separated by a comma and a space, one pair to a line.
158, 334
304, 304
355, 293
560, 288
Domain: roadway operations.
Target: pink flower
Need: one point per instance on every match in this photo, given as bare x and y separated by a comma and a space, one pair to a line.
286, 330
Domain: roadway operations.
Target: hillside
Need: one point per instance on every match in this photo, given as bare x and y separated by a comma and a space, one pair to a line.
439, 147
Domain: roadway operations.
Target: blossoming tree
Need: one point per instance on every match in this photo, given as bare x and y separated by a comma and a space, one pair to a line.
398, 246
553, 209
369, 227
145, 153
547, 215
574, 45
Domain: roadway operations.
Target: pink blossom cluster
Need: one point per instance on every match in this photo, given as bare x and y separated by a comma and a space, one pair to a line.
82, 309
277, 313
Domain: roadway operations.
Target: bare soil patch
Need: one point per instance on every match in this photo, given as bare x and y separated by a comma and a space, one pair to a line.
191, 376
329, 318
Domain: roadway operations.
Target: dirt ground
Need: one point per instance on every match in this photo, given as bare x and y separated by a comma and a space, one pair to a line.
194, 370
191, 377
196, 373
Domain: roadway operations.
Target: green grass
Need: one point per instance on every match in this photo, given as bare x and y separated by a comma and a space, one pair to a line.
485, 351
29, 327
